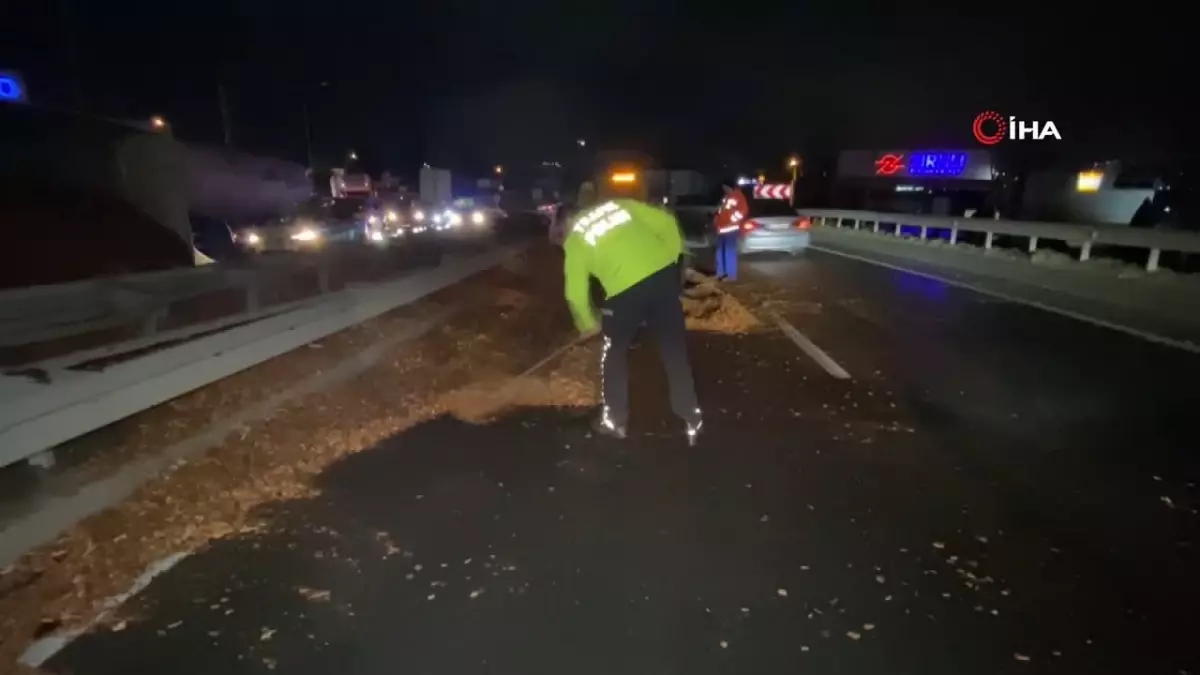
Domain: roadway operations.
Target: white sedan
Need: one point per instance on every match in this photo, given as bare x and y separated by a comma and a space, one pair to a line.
773, 226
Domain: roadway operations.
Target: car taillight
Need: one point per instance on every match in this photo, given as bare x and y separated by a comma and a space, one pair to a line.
803, 223
749, 225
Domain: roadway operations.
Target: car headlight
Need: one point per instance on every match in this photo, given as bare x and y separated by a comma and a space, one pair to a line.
307, 234
376, 235
391, 216
477, 217
373, 220
418, 216
453, 218
251, 238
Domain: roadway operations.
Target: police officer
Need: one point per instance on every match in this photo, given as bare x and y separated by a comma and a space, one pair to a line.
633, 250
728, 224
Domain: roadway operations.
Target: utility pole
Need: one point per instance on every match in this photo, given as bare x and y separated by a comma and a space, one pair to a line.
69, 32
309, 96
308, 136
794, 164
226, 124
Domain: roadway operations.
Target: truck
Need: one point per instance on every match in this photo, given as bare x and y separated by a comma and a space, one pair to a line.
622, 181
342, 184
434, 187
668, 186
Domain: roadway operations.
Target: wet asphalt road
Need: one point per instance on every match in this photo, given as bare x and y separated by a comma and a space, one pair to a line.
996, 490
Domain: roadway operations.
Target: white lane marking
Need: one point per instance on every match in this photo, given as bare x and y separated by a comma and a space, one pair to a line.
43, 650
1144, 335
814, 352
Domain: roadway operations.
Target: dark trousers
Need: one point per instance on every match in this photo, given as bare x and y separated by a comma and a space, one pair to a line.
653, 301
727, 255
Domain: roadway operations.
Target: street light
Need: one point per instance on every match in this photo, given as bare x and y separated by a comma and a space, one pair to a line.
353, 155
793, 164
498, 169
582, 143
158, 123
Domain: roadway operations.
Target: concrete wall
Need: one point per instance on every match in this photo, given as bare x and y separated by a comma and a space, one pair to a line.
136, 166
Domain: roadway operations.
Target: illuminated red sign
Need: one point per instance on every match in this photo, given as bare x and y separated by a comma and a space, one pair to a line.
889, 164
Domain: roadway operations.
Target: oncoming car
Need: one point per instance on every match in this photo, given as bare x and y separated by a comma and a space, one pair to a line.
459, 218
773, 226
305, 228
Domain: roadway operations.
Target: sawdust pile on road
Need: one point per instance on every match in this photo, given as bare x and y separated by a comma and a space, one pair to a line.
568, 381
710, 309
507, 317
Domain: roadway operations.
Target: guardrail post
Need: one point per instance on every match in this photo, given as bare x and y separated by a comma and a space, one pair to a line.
987, 242
953, 235
42, 460
899, 230
924, 232
875, 226
252, 296
1032, 244
323, 278
150, 321
1085, 251
1152, 261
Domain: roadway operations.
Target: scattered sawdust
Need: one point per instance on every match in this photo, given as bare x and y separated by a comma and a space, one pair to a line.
389, 547
507, 299
728, 315
63, 584
710, 309
518, 264
572, 382
313, 594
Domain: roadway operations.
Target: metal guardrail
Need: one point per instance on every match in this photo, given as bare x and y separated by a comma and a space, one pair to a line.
39, 410
1082, 237
71, 323
141, 302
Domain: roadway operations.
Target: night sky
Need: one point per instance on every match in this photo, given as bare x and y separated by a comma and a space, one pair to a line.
464, 83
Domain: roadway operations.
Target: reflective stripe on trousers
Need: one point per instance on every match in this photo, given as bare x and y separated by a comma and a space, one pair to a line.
653, 301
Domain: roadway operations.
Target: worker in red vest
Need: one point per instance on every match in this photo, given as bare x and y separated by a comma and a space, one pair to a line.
730, 216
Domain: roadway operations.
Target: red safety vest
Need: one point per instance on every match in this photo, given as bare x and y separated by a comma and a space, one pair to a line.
733, 211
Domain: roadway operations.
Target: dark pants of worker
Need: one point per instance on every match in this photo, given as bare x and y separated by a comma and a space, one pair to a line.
727, 255
653, 301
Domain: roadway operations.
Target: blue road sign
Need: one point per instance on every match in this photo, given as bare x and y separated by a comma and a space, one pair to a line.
12, 87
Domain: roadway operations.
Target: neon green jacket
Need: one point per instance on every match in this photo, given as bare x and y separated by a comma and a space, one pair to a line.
620, 242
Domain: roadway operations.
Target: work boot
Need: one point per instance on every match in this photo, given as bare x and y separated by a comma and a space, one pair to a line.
693, 431
605, 427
